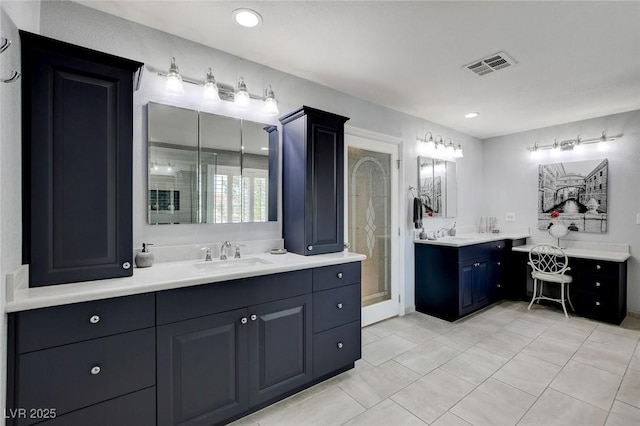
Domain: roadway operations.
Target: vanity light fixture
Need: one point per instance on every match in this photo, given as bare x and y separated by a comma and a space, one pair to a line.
438, 148
174, 79
242, 98
211, 87
575, 145
270, 103
216, 90
248, 18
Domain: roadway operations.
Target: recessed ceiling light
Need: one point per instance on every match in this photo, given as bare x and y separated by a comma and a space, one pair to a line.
247, 17
471, 115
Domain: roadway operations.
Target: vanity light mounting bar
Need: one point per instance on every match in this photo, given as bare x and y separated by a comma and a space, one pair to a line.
570, 144
225, 91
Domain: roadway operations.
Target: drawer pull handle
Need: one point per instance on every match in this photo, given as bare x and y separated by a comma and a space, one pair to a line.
339, 306
243, 320
95, 370
597, 284
310, 248
339, 275
598, 267
340, 345
94, 319
254, 317
597, 303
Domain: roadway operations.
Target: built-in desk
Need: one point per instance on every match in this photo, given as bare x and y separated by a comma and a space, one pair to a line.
599, 271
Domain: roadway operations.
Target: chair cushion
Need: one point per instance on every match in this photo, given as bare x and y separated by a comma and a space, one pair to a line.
553, 278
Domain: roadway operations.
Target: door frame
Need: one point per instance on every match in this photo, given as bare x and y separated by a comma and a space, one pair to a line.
397, 260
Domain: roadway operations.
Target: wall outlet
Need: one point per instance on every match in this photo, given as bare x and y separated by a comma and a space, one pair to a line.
511, 217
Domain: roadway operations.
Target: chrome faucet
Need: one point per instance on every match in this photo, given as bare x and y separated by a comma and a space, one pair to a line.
223, 250
442, 232
207, 254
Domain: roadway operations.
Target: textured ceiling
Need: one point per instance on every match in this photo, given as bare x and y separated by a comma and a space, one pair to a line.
576, 60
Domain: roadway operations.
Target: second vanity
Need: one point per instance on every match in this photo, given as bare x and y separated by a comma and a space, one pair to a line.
456, 276
128, 351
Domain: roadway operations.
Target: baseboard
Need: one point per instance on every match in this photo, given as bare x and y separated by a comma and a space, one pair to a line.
409, 309
633, 314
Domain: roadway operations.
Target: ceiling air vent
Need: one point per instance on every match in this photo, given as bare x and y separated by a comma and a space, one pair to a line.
492, 63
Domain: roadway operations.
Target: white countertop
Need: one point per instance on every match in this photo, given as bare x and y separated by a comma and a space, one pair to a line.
468, 239
587, 253
161, 276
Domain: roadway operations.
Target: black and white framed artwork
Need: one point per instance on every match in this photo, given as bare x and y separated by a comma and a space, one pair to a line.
574, 194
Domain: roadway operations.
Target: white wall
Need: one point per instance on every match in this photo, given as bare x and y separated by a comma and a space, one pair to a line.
12, 16
84, 26
511, 181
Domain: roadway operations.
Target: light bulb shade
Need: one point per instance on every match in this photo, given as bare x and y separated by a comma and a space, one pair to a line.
458, 152
440, 147
242, 98
270, 103
431, 145
450, 150
173, 83
210, 87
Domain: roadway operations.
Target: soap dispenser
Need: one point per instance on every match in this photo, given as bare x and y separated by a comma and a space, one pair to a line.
144, 258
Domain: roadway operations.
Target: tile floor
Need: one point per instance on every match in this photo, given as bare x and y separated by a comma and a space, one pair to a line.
502, 366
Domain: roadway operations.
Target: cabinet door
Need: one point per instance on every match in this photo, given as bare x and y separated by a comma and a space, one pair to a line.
202, 369
77, 163
466, 288
481, 285
325, 185
280, 347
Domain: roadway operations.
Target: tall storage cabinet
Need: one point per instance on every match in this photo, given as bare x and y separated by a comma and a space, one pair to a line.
77, 114
313, 181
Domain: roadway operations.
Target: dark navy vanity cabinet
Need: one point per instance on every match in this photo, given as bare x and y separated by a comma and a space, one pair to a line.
452, 282
199, 355
313, 181
77, 114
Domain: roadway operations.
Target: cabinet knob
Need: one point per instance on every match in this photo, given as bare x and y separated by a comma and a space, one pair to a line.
339, 275
310, 248
126, 265
597, 303
254, 317
243, 320
597, 284
499, 263
499, 246
598, 267
339, 306
499, 286
340, 345
94, 319
95, 370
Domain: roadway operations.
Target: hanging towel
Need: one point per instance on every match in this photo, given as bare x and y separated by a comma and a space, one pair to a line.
417, 212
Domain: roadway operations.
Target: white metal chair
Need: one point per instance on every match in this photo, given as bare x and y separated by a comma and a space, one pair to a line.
549, 263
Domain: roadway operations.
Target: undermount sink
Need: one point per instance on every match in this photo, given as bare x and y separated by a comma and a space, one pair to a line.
230, 264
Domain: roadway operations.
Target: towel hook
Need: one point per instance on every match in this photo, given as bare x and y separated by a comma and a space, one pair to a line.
5, 44
14, 76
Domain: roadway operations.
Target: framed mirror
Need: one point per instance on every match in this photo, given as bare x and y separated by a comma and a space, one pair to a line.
437, 186
232, 172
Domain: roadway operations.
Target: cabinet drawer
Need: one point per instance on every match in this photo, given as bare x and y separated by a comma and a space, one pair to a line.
597, 284
603, 307
335, 307
82, 374
135, 409
198, 301
59, 325
590, 267
493, 248
336, 276
336, 348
